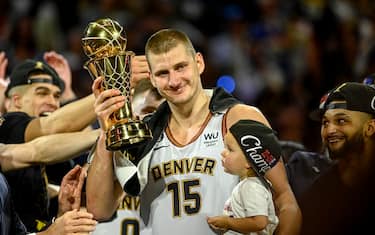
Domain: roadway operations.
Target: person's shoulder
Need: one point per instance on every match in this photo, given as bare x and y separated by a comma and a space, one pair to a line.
14, 119
307, 156
221, 100
305, 160
13, 127
12, 115
245, 108
243, 111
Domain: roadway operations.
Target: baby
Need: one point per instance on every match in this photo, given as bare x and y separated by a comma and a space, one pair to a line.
251, 149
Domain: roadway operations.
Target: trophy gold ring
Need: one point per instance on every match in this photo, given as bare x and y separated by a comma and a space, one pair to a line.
104, 43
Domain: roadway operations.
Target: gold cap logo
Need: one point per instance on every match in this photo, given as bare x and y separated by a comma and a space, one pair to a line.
39, 65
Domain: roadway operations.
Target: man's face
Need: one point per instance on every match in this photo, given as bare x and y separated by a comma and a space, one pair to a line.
41, 98
176, 74
342, 131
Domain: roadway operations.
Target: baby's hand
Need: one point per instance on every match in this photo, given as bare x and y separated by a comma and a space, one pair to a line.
218, 223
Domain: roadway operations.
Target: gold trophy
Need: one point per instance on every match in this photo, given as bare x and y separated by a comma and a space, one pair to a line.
104, 42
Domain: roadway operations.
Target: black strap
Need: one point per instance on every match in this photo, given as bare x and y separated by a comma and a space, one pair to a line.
39, 80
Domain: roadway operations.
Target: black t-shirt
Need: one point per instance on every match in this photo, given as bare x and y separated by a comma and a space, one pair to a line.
12, 131
28, 187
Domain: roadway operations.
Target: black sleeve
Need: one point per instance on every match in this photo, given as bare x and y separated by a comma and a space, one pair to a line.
12, 131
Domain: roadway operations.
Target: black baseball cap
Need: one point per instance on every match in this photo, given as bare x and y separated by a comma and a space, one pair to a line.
356, 96
316, 115
20, 75
259, 144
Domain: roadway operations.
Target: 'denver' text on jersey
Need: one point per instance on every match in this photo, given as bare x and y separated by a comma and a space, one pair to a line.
184, 166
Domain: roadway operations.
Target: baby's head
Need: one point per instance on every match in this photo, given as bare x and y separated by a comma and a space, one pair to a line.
256, 143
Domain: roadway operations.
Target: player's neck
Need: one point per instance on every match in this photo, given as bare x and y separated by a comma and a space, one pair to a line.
183, 128
192, 114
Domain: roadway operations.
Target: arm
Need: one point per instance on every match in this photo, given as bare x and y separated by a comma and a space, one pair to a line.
290, 218
103, 201
241, 225
72, 117
77, 115
288, 211
46, 149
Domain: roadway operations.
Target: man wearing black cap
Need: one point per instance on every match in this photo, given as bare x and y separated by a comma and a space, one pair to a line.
340, 201
33, 92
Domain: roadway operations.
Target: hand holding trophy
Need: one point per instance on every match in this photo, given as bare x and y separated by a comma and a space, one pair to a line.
104, 42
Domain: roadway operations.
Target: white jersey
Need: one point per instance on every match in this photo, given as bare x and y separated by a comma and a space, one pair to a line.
251, 198
126, 222
187, 183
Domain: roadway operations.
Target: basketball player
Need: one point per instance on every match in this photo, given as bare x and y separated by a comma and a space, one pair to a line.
178, 173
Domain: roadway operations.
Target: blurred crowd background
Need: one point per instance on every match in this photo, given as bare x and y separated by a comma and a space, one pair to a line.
282, 54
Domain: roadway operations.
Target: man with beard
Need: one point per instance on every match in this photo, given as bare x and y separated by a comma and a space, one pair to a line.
339, 201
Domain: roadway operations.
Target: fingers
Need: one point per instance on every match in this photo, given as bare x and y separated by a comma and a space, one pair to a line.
3, 64
97, 86
72, 174
140, 69
48, 55
78, 189
68, 184
106, 104
83, 173
77, 222
107, 101
76, 214
139, 64
54, 57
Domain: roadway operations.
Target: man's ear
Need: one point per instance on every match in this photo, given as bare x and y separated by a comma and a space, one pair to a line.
16, 100
200, 62
370, 128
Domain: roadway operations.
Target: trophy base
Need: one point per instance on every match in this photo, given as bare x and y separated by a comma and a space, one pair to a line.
127, 135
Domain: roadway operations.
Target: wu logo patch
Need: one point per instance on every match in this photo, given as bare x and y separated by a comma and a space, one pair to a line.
211, 139
211, 136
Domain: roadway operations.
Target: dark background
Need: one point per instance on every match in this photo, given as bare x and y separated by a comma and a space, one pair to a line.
283, 55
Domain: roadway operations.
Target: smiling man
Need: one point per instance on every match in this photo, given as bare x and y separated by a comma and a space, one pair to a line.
349, 109
340, 201
188, 130
35, 88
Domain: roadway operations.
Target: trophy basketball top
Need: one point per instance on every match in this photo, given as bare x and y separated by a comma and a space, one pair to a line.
104, 38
